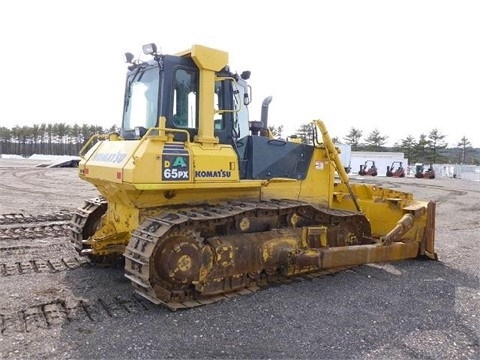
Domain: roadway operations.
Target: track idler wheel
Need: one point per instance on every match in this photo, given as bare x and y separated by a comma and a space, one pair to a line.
180, 259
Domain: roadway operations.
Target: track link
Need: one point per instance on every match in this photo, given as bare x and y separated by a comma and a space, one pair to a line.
34, 231
51, 265
85, 220
60, 312
18, 218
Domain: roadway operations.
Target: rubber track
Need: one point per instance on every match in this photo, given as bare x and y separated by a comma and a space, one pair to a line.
144, 240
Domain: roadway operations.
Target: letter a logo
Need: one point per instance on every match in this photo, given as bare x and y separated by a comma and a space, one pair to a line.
179, 162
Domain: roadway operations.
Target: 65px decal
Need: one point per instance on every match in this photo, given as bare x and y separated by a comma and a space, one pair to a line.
175, 168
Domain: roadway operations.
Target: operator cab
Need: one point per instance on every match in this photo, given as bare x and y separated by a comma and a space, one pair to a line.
168, 86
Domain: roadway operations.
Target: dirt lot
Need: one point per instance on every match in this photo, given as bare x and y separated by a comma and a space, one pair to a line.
55, 305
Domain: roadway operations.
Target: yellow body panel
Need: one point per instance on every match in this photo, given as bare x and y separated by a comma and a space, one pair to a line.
214, 164
383, 207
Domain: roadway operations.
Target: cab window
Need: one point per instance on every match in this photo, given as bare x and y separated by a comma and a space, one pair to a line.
185, 99
218, 103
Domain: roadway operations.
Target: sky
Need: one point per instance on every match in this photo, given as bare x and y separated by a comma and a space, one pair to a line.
403, 68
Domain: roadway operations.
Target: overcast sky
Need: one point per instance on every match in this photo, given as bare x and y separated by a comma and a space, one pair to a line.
401, 67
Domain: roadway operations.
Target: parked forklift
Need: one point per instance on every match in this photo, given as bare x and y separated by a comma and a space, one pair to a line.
396, 170
365, 170
422, 172
348, 168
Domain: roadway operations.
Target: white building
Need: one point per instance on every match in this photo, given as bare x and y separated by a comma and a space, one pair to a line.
382, 160
345, 153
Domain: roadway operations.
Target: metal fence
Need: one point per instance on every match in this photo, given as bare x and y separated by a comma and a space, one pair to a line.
467, 172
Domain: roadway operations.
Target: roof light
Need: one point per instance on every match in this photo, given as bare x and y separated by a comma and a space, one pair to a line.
149, 49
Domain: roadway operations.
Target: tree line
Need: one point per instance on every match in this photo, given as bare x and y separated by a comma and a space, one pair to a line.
48, 139
427, 148
63, 139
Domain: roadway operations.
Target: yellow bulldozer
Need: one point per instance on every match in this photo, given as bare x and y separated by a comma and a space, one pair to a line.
201, 203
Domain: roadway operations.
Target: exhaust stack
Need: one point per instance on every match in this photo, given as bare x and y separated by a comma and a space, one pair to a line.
264, 115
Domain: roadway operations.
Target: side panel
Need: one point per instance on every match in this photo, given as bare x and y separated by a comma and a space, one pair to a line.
264, 158
105, 161
318, 185
218, 163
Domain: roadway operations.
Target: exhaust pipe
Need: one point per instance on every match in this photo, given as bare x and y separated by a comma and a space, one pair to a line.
264, 115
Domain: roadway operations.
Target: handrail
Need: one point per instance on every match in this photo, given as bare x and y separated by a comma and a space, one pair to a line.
221, 111
93, 137
331, 149
114, 136
161, 130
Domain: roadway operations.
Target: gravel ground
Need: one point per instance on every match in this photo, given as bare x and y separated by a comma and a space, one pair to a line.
54, 305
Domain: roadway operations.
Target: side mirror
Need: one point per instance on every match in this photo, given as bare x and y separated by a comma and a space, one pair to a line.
140, 131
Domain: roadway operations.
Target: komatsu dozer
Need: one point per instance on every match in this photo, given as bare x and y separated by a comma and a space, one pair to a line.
201, 203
